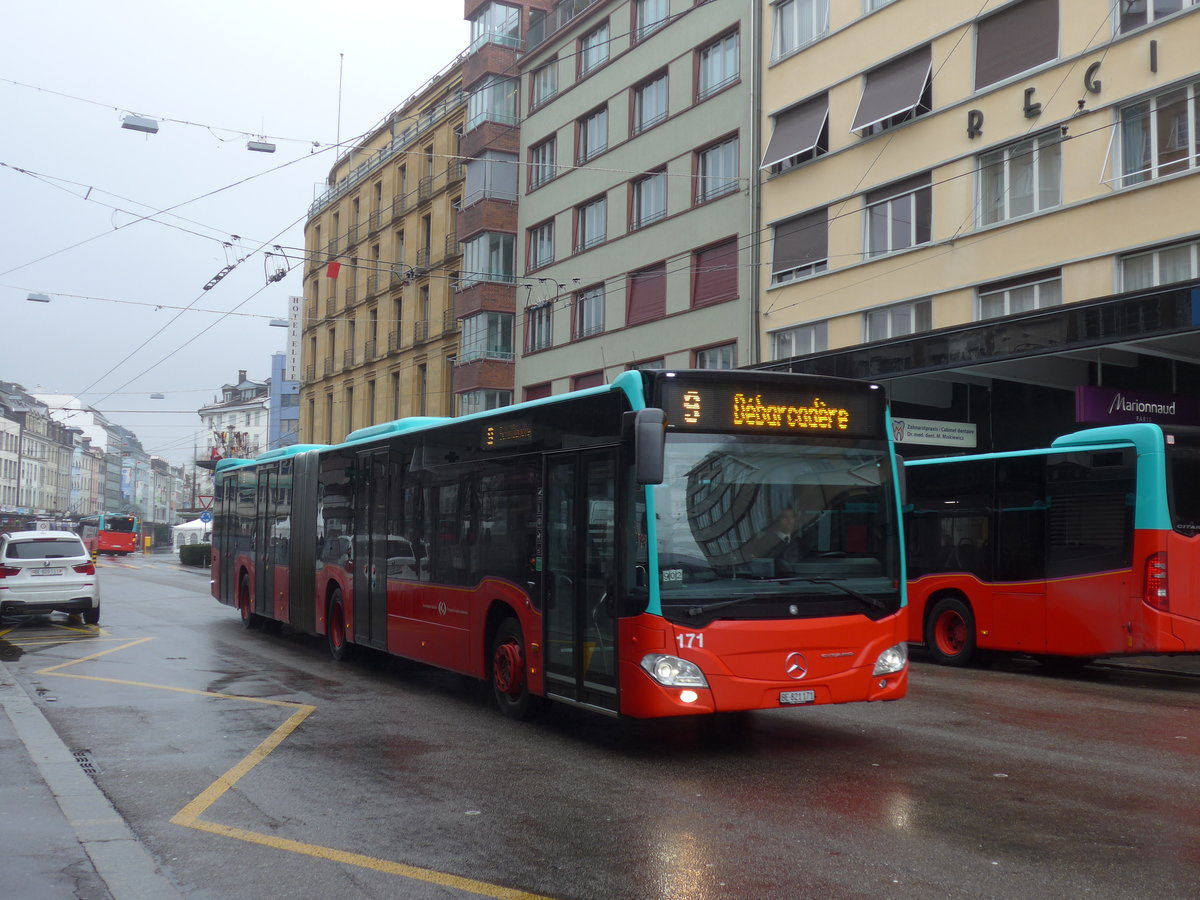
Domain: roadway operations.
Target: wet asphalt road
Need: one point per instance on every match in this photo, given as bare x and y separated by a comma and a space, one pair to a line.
385, 779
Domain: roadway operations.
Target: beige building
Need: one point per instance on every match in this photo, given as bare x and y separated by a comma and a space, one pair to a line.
380, 336
991, 207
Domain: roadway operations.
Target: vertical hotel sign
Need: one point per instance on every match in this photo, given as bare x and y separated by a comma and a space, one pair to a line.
1109, 406
291, 363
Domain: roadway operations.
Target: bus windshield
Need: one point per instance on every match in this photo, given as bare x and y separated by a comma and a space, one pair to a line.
755, 527
1183, 482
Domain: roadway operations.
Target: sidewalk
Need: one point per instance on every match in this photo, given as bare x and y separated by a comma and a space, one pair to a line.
61, 836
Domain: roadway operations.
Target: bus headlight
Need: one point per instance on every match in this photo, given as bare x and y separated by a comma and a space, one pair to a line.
672, 671
893, 659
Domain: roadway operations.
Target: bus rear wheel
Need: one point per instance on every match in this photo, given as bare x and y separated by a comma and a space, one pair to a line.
250, 618
335, 628
950, 632
509, 684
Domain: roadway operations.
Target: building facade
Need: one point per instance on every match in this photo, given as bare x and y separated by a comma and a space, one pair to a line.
991, 208
237, 425
380, 334
283, 406
638, 192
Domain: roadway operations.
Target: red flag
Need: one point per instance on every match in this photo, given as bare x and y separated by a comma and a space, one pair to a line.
216, 454
332, 271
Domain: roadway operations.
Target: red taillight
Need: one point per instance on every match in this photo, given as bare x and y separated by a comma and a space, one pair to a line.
85, 569
1155, 587
6, 571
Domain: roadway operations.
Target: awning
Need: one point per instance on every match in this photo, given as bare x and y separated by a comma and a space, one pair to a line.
893, 89
797, 130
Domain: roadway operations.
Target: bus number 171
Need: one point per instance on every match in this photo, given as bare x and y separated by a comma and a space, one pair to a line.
689, 640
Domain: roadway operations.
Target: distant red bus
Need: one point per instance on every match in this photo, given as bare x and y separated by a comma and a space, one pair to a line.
110, 534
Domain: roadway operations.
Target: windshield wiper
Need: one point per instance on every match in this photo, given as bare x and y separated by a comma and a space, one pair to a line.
713, 607
873, 602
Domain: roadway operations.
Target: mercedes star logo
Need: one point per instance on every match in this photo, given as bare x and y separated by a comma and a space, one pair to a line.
796, 665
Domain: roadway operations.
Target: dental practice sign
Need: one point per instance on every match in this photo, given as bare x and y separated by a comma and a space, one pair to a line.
1112, 406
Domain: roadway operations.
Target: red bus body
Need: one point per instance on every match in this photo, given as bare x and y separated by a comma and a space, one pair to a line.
109, 534
1142, 598
392, 541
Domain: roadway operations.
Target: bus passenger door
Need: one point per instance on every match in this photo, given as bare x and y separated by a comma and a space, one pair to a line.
579, 588
370, 548
264, 563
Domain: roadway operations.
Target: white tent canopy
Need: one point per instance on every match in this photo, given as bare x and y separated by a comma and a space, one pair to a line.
193, 532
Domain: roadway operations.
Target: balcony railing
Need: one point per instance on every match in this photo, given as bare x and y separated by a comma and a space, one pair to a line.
425, 188
370, 351
423, 255
331, 307
328, 369
373, 221
393, 341
352, 235
420, 331
372, 285
348, 358
310, 373
351, 295
453, 247
449, 321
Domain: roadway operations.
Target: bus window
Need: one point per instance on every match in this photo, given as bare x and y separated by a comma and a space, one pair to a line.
1090, 518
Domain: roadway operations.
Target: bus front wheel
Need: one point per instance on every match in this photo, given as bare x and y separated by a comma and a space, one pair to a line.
950, 632
335, 628
508, 671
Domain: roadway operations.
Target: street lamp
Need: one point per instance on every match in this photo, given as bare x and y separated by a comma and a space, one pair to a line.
38, 297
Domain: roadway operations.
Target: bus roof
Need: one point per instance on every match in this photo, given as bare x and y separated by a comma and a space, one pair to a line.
1143, 436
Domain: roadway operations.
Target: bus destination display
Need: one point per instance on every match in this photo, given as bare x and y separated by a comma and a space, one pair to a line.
768, 408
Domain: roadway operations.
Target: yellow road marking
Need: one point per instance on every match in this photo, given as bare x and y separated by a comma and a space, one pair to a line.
189, 816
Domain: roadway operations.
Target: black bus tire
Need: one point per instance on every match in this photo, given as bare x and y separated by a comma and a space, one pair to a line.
335, 628
508, 671
245, 604
950, 632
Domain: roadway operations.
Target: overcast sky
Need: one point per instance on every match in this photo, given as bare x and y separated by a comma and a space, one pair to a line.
214, 75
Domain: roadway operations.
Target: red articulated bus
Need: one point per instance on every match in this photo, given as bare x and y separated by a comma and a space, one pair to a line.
110, 534
1088, 548
620, 548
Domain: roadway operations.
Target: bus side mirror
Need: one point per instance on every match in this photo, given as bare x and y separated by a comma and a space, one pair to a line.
649, 441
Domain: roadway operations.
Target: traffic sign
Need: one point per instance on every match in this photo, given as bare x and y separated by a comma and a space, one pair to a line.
206, 517
205, 501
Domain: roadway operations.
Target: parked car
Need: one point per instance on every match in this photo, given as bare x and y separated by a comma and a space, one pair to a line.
47, 571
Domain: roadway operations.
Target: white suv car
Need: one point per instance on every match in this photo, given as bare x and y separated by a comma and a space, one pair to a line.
45, 571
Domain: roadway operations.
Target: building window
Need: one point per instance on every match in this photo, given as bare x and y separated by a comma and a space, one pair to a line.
593, 49
541, 163
1161, 135
591, 379
718, 66
898, 216
798, 134
486, 336
800, 247
717, 170
495, 100
898, 320
649, 16
543, 83
538, 391
482, 400
650, 103
496, 23
591, 223
797, 23
715, 273
722, 357
541, 245
1017, 38
1164, 265
896, 92
593, 135
488, 257
1019, 295
538, 322
589, 312
647, 294
799, 341
1020, 179
649, 200
1136, 13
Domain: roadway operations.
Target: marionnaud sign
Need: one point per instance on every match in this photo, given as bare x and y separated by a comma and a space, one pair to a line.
933, 432
1111, 406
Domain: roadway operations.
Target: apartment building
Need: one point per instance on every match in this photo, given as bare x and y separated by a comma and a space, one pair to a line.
637, 192
380, 335
991, 208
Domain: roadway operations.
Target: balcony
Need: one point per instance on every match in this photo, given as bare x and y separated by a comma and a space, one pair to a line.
310, 373
420, 331
372, 285
328, 368
400, 204
453, 247
348, 358
393, 341
352, 235
331, 307
423, 258
351, 295
449, 321
370, 351
373, 221
424, 188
